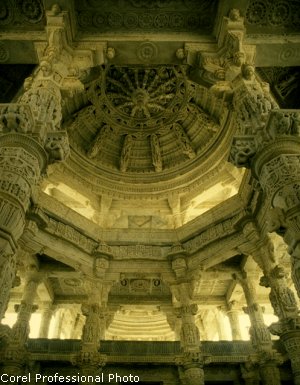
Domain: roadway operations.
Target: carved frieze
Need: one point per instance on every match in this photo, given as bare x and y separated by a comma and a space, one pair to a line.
213, 233
140, 285
267, 15
137, 251
154, 16
70, 234
25, 13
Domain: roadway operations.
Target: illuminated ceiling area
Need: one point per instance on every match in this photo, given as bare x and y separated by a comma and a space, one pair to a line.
156, 213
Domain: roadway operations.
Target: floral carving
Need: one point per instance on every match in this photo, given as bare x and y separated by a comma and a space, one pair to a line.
32, 10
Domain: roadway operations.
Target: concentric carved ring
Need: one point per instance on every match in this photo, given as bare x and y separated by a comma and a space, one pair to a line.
139, 99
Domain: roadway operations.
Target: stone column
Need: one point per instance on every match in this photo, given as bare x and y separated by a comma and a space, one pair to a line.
285, 307
268, 143
89, 360
191, 361
78, 326
29, 140
46, 317
233, 313
15, 354
220, 324
59, 319
267, 358
281, 296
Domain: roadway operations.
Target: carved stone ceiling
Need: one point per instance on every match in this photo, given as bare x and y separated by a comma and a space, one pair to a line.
148, 145
148, 149
154, 16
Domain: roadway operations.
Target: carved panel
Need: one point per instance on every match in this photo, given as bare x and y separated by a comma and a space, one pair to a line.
139, 285
27, 14
268, 16
210, 235
153, 16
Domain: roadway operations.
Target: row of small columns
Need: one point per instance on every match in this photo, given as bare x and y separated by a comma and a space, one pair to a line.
191, 362
89, 361
263, 365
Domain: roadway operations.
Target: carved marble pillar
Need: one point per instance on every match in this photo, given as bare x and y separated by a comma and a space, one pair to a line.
285, 307
46, 317
281, 296
15, 354
267, 358
279, 177
29, 140
233, 313
192, 359
89, 360
268, 143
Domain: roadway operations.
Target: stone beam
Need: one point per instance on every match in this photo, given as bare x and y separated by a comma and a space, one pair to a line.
276, 51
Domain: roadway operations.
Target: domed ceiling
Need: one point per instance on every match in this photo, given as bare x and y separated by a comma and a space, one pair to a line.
142, 120
143, 125
149, 147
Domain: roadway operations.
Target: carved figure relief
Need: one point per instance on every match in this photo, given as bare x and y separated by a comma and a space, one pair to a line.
126, 152
156, 155
183, 140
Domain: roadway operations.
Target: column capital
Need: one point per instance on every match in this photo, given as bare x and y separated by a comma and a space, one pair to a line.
224, 63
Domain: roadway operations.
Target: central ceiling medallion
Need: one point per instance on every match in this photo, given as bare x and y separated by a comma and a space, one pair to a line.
141, 99
140, 121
